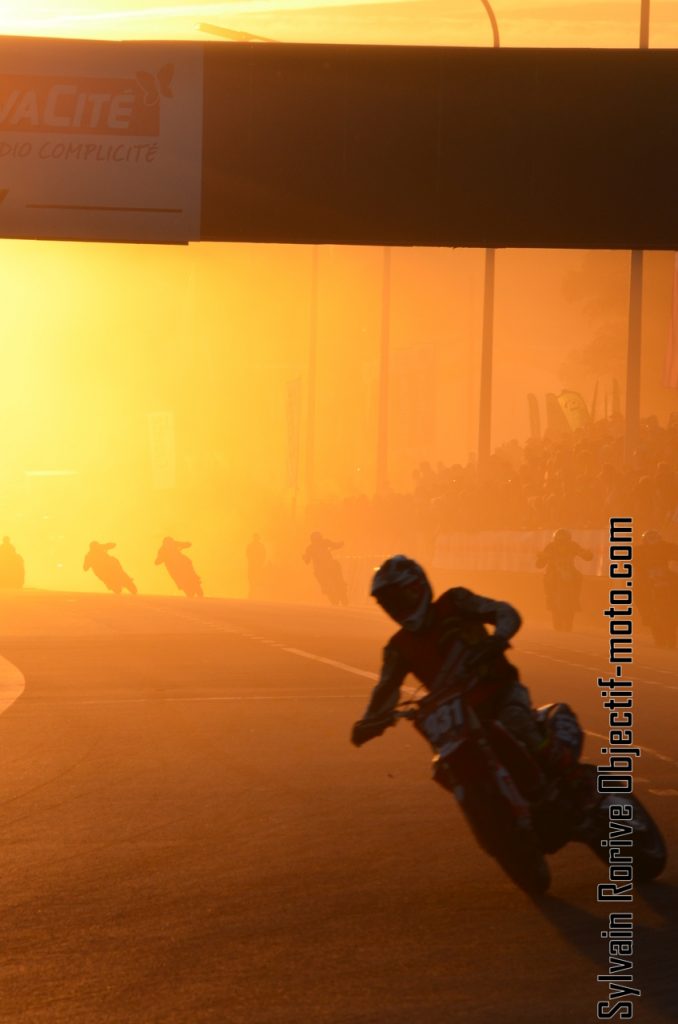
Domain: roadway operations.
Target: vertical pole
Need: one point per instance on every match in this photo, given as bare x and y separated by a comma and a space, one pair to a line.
634, 340
382, 414
312, 363
485, 411
633, 353
493, 21
485, 425
644, 43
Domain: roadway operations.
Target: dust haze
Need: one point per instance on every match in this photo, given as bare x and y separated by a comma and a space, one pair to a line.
152, 391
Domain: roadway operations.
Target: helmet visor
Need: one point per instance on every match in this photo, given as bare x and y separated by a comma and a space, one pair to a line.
402, 601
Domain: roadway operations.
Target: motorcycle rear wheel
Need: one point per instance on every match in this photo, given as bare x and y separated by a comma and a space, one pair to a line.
516, 849
524, 863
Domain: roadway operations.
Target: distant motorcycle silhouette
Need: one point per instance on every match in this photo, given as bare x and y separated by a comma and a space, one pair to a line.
11, 566
657, 587
562, 580
326, 569
107, 568
179, 566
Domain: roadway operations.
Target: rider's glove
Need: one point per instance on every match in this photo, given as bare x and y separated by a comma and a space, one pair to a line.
363, 731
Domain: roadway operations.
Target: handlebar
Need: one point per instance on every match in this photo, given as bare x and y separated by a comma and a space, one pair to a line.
409, 713
409, 709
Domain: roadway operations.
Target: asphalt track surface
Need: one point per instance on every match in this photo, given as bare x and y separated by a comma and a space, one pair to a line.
188, 835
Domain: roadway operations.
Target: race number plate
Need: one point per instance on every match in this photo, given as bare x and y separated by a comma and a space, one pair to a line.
445, 725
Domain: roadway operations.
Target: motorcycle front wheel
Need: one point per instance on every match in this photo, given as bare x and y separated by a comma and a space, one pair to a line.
516, 849
649, 847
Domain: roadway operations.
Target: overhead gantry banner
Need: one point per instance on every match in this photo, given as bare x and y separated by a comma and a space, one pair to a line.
338, 144
100, 140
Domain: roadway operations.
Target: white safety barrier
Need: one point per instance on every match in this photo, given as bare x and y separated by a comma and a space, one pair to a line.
513, 550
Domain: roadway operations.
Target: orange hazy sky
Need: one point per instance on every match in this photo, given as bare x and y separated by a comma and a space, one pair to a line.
612, 23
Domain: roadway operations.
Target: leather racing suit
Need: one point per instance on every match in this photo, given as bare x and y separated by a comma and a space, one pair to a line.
452, 643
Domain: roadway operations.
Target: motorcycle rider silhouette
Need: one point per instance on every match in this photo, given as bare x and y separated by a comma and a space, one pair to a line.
108, 569
326, 569
442, 642
519, 808
562, 579
179, 566
657, 586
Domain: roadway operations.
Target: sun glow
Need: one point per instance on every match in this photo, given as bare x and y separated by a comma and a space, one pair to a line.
443, 22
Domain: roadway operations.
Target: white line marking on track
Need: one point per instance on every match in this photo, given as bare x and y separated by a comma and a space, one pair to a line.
560, 661
373, 676
590, 654
195, 700
644, 749
12, 684
224, 627
230, 628
592, 668
330, 661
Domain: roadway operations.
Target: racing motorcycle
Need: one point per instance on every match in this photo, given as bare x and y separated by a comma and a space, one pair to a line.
333, 584
657, 600
562, 585
179, 566
108, 569
496, 782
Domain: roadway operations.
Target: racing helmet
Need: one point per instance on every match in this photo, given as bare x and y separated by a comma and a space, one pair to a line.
560, 536
402, 589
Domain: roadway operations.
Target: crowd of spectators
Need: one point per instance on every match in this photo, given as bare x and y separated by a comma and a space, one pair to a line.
576, 480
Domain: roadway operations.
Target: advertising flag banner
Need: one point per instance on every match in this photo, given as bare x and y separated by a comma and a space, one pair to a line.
100, 143
574, 409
